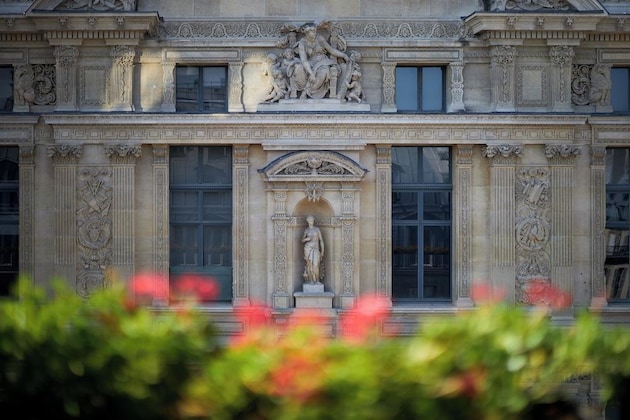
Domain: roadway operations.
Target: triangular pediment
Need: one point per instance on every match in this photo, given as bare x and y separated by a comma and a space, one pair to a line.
313, 166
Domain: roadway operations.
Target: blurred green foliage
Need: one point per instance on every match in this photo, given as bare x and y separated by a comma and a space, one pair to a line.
107, 358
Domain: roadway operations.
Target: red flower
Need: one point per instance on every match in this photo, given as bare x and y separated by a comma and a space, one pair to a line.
541, 292
196, 286
145, 285
297, 378
364, 321
483, 293
253, 318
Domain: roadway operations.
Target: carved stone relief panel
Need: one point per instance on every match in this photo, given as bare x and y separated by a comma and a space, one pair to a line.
503, 61
531, 86
94, 228
533, 232
34, 85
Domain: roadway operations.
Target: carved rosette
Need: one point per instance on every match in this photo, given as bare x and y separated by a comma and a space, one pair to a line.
564, 154
94, 229
123, 153
533, 231
506, 154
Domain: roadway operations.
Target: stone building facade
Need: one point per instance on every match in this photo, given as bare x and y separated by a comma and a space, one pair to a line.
437, 143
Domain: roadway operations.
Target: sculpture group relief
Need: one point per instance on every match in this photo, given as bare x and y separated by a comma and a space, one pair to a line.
100, 5
314, 63
526, 5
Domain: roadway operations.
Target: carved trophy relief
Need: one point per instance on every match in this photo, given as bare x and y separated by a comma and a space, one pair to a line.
312, 62
94, 229
533, 233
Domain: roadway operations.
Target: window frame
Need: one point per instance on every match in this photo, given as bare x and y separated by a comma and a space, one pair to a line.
419, 105
200, 99
10, 217
616, 233
615, 90
421, 223
8, 105
222, 273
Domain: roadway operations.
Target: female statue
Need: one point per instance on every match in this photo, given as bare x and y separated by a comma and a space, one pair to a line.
313, 252
316, 75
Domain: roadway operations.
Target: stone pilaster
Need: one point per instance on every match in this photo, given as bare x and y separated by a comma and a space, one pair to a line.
389, 87
462, 208
457, 87
280, 296
502, 77
27, 209
503, 160
123, 158
168, 87
350, 248
65, 158
66, 62
562, 161
241, 227
598, 224
561, 60
383, 221
122, 73
235, 87
160, 224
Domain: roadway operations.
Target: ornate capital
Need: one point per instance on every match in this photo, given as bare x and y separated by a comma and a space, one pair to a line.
503, 153
503, 54
561, 54
598, 155
565, 153
66, 55
123, 153
64, 153
123, 55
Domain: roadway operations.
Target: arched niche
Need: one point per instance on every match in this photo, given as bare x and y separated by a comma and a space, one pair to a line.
326, 185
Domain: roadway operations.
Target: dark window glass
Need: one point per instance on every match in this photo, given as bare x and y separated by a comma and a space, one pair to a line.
6, 89
9, 219
620, 92
617, 224
201, 89
201, 214
421, 224
420, 89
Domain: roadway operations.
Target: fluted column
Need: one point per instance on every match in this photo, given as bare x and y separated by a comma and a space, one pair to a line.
503, 160
65, 158
123, 158
562, 161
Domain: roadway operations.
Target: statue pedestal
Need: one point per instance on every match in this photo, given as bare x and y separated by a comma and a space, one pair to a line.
313, 105
313, 296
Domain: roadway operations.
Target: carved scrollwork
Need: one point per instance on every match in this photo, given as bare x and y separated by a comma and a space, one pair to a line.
305, 166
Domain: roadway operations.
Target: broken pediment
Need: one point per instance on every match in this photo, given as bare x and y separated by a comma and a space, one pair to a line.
542, 5
305, 166
85, 5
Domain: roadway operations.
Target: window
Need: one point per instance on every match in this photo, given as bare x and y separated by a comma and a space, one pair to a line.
6, 89
420, 89
620, 89
201, 89
421, 223
201, 214
617, 223
9, 219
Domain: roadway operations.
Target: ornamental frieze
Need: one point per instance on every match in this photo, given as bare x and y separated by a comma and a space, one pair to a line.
269, 30
311, 166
